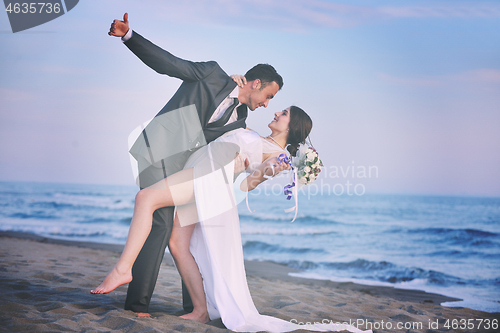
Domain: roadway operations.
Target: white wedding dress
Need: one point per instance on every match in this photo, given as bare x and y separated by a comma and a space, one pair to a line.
216, 240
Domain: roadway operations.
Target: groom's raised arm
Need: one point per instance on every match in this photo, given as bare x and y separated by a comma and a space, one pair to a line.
164, 62
159, 59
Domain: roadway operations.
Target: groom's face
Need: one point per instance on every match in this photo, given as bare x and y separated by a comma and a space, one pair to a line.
261, 95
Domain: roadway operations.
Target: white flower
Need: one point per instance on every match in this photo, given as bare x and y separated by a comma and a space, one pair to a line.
307, 169
310, 157
303, 180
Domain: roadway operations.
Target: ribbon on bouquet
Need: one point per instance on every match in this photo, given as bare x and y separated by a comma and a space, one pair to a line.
282, 158
289, 190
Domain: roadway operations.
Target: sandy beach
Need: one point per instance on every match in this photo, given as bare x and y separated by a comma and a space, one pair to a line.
45, 287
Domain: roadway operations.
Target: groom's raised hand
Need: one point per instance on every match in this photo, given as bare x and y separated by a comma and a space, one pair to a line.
119, 28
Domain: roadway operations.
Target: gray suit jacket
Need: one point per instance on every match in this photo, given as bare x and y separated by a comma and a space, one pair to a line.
181, 126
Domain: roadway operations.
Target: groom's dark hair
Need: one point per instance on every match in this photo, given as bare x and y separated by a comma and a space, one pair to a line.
265, 73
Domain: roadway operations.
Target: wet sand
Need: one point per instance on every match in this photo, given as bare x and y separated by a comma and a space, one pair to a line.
45, 286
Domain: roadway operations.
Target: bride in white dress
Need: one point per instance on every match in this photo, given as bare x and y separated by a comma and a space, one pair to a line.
206, 240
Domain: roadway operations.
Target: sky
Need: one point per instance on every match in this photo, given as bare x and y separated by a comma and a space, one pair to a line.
409, 90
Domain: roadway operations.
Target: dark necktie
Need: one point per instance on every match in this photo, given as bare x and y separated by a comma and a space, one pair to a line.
225, 117
242, 111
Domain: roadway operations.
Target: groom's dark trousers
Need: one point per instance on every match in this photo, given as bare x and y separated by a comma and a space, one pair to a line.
204, 85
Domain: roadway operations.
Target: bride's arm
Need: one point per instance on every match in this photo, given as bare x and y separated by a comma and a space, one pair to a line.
265, 169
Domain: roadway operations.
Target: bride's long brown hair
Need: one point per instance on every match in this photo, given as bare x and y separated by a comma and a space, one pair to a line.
299, 127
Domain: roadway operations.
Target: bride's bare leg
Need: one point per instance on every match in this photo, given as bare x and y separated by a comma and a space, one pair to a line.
190, 273
174, 190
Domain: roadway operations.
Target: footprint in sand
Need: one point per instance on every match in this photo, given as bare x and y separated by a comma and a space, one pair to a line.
51, 277
74, 274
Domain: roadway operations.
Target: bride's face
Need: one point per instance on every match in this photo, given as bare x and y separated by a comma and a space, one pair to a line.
281, 121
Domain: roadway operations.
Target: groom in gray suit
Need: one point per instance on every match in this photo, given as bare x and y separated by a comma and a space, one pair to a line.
207, 104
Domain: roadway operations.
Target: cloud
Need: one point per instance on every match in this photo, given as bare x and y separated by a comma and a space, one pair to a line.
423, 81
61, 70
439, 11
301, 15
482, 76
16, 95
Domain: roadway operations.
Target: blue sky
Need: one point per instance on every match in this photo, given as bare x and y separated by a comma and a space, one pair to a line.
411, 87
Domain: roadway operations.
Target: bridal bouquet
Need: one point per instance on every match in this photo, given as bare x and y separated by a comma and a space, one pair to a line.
308, 165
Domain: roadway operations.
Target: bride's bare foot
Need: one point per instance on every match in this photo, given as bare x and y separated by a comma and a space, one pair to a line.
112, 281
199, 317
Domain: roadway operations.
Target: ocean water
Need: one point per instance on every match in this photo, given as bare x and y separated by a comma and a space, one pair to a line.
445, 245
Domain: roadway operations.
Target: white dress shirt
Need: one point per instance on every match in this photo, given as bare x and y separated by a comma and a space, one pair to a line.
227, 102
